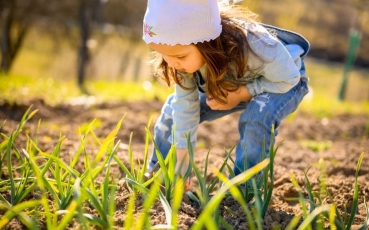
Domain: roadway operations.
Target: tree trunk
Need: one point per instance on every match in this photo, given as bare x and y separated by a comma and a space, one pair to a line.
7, 18
83, 56
10, 45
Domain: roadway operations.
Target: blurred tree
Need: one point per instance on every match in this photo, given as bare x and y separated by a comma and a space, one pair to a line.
88, 15
17, 17
127, 13
77, 22
13, 31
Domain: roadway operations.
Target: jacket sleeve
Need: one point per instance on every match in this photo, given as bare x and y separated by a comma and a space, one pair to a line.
276, 65
186, 112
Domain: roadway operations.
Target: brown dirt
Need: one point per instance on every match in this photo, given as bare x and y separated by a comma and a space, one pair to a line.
338, 140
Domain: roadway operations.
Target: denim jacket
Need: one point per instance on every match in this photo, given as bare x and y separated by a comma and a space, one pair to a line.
279, 67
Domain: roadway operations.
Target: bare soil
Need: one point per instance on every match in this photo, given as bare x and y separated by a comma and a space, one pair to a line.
338, 140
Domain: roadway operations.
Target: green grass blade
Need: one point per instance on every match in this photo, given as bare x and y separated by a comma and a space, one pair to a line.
24, 181
26, 117
257, 204
176, 202
293, 223
205, 216
82, 145
225, 224
16, 210
87, 176
309, 190
216, 181
62, 164
130, 155
98, 206
105, 192
112, 207
5, 201
152, 195
306, 224
204, 194
206, 165
146, 153
74, 205
138, 186
167, 208
10, 169
123, 167
268, 188
128, 223
301, 198
236, 193
68, 193
332, 215
193, 197
172, 159
106, 143
366, 224
356, 194
162, 164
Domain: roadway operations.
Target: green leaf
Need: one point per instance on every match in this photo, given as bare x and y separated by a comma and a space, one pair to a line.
16, 210
356, 194
74, 205
205, 216
306, 224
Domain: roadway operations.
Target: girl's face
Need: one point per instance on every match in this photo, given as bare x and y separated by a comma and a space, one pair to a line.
185, 58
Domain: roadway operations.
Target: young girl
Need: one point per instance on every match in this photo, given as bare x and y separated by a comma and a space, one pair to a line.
221, 62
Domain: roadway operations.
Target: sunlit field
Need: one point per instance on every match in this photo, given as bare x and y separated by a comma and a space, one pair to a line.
72, 161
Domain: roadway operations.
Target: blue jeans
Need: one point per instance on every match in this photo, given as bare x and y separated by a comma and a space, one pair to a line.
255, 123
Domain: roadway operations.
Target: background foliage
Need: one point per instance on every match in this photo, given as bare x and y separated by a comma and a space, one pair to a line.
101, 39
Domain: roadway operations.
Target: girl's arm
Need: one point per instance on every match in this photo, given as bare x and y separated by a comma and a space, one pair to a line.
186, 112
278, 65
234, 98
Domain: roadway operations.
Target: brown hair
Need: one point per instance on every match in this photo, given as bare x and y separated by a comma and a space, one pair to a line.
230, 48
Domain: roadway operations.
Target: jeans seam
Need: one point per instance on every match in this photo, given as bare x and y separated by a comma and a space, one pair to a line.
295, 89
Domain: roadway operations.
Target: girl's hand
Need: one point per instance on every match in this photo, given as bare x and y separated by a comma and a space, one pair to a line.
234, 98
183, 161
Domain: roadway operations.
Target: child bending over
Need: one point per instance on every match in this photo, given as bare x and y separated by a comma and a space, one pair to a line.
220, 61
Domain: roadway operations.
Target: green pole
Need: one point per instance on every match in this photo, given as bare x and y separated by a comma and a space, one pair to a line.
353, 48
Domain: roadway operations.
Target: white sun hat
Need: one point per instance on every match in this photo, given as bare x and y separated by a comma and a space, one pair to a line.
181, 22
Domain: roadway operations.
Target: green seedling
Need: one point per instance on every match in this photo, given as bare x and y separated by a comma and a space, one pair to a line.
176, 202
366, 223
167, 168
301, 199
268, 175
72, 208
205, 218
150, 195
205, 189
331, 212
237, 194
17, 211
264, 184
103, 200
25, 118
137, 172
18, 187
128, 222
